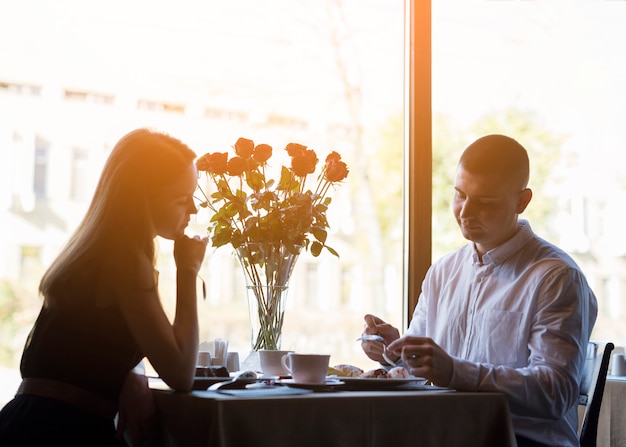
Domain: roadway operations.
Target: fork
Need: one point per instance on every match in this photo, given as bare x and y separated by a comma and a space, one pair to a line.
379, 339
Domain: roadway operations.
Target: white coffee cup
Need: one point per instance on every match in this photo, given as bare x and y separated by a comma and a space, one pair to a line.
271, 362
307, 368
618, 367
232, 361
203, 358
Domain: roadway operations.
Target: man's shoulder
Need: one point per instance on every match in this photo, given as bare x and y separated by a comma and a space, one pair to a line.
539, 249
460, 255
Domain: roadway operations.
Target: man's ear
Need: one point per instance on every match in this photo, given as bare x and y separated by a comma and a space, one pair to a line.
524, 200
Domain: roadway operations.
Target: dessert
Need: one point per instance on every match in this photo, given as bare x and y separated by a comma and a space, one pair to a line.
398, 372
377, 373
344, 370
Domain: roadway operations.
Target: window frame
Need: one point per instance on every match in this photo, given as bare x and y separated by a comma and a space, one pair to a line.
418, 151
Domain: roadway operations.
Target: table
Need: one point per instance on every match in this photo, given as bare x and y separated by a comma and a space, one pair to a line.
339, 418
612, 422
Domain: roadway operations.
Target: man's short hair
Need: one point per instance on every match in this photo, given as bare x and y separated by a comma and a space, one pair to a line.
497, 154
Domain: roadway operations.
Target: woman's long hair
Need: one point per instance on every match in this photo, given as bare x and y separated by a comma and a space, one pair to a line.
117, 227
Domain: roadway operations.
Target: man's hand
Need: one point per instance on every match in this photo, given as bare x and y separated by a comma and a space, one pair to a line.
424, 358
376, 326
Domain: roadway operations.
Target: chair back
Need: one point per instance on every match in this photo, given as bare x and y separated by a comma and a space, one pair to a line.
592, 389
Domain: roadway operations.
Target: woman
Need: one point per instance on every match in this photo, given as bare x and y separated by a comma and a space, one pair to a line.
101, 312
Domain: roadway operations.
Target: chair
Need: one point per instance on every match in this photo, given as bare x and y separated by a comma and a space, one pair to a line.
592, 389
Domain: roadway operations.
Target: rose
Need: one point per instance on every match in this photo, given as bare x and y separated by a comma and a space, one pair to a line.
294, 149
215, 163
237, 166
336, 170
304, 163
262, 153
244, 147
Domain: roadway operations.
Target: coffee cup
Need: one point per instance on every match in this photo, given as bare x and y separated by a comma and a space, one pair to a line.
232, 361
271, 362
203, 358
618, 367
307, 368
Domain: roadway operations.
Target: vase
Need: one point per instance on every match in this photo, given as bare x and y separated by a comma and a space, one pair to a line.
267, 268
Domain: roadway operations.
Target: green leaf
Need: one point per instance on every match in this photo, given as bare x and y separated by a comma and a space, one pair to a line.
285, 179
320, 234
221, 237
332, 250
316, 248
321, 208
254, 179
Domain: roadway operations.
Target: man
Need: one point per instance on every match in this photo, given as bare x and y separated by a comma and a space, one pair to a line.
508, 312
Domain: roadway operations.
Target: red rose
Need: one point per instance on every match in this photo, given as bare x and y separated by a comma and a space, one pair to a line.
214, 163
295, 149
333, 156
336, 170
237, 166
244, 147
304, 164
262, 153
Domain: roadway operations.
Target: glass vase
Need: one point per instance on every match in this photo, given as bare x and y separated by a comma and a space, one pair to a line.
267, 269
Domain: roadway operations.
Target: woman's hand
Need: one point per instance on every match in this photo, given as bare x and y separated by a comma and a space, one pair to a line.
189, 253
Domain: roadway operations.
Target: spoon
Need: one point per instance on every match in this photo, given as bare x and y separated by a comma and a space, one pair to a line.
379, 339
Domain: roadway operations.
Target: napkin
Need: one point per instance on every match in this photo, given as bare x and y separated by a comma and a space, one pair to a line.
220, 349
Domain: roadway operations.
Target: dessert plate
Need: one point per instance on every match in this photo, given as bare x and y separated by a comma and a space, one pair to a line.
382, 383
327, 386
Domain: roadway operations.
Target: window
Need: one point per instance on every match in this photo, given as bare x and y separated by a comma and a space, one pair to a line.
87, 96
225, 114
549, 74
79, 187
20, 88
160, 106
30, 263
42, 160
309, 72
331, 75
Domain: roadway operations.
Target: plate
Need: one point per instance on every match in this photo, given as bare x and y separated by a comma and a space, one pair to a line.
363, 383
202, 383
327, 386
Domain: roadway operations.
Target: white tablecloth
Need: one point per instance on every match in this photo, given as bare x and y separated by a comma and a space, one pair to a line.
612, 423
